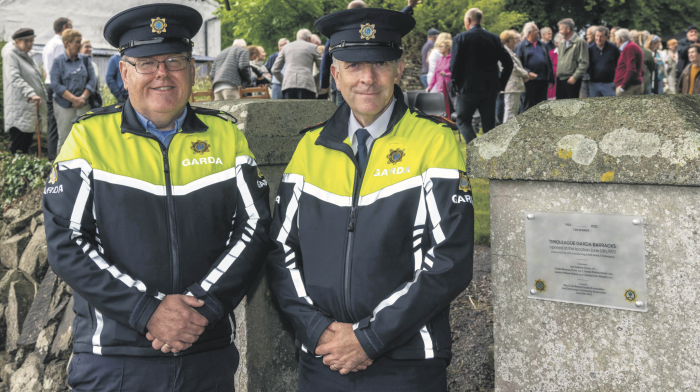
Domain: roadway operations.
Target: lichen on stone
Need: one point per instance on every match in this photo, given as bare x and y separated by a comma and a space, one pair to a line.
686, 147
577, 147
495, 144
624, 141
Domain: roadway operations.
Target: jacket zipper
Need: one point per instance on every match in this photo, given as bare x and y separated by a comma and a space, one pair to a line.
170, 210
433, 336
359, 176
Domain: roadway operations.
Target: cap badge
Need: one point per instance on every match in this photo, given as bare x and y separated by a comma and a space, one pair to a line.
54, 174
367, 31
464, 184
395, 155
158, 25
200, 147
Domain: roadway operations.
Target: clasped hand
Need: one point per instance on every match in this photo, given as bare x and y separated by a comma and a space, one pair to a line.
341, 350
176, 325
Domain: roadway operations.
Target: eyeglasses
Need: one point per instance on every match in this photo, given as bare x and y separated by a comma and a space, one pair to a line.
148, 66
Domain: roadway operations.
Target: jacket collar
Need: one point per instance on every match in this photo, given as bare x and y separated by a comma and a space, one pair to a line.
131, 123
335, 131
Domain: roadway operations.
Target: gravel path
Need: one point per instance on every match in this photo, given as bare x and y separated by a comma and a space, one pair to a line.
471, 317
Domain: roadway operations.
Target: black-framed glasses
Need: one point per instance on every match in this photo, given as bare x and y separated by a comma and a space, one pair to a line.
147, 66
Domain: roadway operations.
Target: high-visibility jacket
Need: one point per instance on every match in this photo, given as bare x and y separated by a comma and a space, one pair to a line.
129, 221
386, 250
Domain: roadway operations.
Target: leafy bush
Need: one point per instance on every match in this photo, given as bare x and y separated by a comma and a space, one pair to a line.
19, 174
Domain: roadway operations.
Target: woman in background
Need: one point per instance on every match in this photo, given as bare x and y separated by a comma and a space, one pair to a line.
72, 81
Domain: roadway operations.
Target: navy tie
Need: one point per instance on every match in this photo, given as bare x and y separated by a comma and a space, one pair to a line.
362, 155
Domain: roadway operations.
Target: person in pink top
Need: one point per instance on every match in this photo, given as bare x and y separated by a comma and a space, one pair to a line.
442, 74
554, 54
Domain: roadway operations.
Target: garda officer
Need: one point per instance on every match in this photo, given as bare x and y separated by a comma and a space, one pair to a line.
155, 214
373, 226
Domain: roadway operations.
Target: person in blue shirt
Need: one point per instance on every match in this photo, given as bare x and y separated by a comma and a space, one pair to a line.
114, 79
326, 61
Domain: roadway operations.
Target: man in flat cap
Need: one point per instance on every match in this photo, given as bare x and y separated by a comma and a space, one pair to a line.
373, 225
155, 216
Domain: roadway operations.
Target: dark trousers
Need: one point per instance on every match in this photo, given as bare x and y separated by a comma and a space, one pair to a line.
535, 92
485, 102
211, 371
500, 109
298, 93
52, 136
20, 141
566, 90
384, 375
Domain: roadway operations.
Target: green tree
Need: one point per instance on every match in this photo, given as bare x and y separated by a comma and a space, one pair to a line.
663, 17
264, 22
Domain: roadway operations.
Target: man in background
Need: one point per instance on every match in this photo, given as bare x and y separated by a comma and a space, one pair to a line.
114, 79
474, 67
230, 70
535, 59
276, 84
429, 44
573, 61
546, 33
604, 56
53, 49
691, 37
300, 57
628, 75
585, 82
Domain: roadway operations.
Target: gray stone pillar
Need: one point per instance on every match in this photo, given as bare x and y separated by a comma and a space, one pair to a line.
626, 156
264, 337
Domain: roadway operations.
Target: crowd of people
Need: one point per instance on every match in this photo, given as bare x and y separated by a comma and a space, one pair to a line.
545, 65
606, 62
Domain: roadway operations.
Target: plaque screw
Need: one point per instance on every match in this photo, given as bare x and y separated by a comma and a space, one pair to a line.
636, 221
639, 304
533, 292
530, 216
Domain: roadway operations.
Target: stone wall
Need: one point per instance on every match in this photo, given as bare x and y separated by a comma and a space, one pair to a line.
36, 309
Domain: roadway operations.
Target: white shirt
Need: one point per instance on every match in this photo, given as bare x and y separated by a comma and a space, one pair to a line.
53, 49
376, 129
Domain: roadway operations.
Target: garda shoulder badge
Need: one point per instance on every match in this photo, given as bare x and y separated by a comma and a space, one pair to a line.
158, 25
396, 155
464, 184
53, 177
367, 31
200, 147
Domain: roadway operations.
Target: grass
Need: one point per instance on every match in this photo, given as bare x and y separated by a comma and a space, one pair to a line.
482, 206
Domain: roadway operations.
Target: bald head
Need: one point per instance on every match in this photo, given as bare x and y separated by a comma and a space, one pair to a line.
472, 18
357, 4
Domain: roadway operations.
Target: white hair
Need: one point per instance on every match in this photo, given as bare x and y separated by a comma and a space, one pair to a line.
315, 39
239, 42
529, 26
622, 34
282, 41
303, 35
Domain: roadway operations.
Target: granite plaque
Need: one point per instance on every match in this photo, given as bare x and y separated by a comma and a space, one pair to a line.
588, 259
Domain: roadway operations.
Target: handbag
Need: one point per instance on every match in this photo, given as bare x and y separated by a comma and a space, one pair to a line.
95, 98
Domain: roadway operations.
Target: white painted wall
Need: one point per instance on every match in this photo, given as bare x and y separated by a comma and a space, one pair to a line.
89, 17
